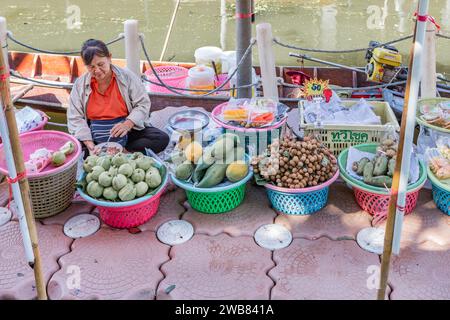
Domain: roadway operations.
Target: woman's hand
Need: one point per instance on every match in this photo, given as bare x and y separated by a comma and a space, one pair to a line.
90, 146
121, 129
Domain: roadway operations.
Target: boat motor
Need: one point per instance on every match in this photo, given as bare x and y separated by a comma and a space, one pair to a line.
383, 62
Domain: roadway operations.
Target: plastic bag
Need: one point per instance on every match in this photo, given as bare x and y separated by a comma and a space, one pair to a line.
236, 110
262, 111
438, 164
38, 161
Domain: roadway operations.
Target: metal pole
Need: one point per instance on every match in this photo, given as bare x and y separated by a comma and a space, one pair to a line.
4, 40
174, 14
306, 57
132, 46
400, 178
24, 201
243, 38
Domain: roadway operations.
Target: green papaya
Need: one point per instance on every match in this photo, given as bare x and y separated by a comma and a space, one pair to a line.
153, 177
177, 157
68, 148
94, 189
380, 166
184, 170
368, 171
206, 160
127, 193
235, 155
141, 188
222, 148
232, 136
213, 176
119, 159
361, 164
391, 167
380, 181
104, 162
198, 175
110, 194
58, 158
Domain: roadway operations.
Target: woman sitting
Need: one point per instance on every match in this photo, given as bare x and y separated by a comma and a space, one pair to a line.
109, 103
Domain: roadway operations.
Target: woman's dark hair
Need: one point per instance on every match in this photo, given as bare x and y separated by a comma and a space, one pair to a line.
91, 48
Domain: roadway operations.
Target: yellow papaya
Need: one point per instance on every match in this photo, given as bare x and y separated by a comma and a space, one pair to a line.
237, 171
193, 151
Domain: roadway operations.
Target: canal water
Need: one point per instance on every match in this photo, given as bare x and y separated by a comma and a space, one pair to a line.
62, 25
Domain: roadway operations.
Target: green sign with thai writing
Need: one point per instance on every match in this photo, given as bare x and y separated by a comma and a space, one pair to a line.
349, 136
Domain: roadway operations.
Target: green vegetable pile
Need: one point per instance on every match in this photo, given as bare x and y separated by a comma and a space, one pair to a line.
120, 177
379, 171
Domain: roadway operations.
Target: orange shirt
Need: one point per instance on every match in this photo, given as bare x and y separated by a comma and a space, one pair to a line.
107, 106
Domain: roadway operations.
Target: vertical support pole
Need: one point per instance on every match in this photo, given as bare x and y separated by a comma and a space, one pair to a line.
223, 24
400, 179
267, 60
25, 205
4, 41
243, 38
132, 46
428, 83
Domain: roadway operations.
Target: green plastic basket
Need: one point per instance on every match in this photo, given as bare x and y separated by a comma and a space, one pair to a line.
419, 120
214, 200
372, 147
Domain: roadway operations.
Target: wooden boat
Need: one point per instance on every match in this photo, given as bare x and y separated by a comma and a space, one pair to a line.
66, 69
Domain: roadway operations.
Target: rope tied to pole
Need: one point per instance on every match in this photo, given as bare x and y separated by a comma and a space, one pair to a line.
440, 35
20, 43
282, 44
427, 17
10, 181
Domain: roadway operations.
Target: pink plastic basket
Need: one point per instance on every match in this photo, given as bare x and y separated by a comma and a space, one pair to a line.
52, 140
174, 76
131, 216
378, 204
40, 126
53, 188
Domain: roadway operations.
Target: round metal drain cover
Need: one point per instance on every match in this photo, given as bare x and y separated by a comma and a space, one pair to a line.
5, 215
175, 232
371, 239
82, 225
273, 237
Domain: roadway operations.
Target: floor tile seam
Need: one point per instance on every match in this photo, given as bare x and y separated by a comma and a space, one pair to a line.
60, 267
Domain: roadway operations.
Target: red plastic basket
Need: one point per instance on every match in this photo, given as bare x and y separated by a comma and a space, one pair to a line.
131, 216
378, 204
174, 76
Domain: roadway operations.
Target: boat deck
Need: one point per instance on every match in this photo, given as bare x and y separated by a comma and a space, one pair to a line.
222, 260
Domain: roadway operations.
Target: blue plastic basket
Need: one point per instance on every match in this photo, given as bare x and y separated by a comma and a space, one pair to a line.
298, 203
442, 199
441, 195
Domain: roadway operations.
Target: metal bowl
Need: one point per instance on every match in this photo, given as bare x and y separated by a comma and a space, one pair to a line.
189, 120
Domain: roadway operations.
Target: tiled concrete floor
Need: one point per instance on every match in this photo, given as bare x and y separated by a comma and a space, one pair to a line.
222, 260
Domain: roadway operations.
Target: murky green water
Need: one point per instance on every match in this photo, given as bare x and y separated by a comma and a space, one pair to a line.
326, 24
